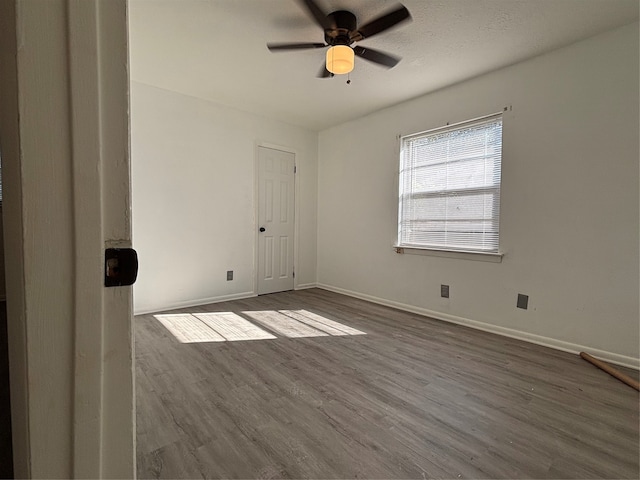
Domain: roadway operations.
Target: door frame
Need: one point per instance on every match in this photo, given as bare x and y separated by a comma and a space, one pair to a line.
256, 204
65, 131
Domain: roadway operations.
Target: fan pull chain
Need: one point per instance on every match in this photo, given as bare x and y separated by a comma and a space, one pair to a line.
348, 79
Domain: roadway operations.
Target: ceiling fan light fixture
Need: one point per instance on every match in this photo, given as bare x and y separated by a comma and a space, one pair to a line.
340, 59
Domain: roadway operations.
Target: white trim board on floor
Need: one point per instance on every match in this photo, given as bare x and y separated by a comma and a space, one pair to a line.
205, 301
196, 303
611, 357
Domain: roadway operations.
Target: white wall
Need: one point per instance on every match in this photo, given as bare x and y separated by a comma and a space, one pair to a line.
193, 197
569, 213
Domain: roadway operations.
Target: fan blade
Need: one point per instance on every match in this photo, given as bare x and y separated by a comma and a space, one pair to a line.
324, 73
318, 15
382, 23
376, 56
293, 46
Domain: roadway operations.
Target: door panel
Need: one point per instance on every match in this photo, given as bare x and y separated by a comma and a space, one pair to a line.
276, 216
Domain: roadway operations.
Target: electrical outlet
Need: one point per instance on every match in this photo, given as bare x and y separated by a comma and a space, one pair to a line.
229, 275
523, 301
444, 291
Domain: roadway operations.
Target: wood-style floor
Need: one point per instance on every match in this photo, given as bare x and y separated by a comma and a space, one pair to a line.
413, 398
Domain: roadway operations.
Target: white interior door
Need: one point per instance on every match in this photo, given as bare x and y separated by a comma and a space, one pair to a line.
275, 220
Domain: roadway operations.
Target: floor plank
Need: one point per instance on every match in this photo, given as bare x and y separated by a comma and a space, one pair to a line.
404, 396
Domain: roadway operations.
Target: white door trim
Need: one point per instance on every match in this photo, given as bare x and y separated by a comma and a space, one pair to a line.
85, 150
14, 240
256, 204
104, 406
64, 123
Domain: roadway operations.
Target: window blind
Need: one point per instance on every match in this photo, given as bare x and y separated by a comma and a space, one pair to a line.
449, 196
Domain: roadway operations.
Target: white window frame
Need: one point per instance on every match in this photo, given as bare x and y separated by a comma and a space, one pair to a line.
489, 251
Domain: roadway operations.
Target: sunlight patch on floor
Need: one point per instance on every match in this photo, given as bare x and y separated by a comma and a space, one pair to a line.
284, 325
321, 323
300, 323
229, 326
188, 329
232, 326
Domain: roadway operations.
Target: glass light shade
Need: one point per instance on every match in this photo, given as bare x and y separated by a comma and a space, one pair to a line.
340, 59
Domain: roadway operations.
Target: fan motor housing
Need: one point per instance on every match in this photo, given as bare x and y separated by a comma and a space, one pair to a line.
345, 23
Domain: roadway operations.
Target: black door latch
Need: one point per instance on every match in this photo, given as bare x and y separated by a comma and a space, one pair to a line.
120, 267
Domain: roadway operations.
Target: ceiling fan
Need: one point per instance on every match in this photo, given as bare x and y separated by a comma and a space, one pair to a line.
341, 31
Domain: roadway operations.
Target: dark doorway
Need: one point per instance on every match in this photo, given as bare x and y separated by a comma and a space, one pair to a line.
6, 451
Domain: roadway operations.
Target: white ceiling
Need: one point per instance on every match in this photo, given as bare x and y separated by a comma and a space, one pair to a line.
215, 49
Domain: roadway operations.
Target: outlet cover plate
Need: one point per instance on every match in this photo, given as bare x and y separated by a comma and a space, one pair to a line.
229, 275
523, 301
444, 291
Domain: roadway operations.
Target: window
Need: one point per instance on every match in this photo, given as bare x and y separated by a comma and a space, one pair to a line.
449, 196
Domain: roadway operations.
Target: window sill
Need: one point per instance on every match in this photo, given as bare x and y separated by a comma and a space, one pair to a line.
476, 256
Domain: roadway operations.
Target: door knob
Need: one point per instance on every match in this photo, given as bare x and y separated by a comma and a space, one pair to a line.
262, 229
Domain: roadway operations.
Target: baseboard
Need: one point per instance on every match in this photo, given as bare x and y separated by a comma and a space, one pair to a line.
195, 303
611, 357
304, 286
